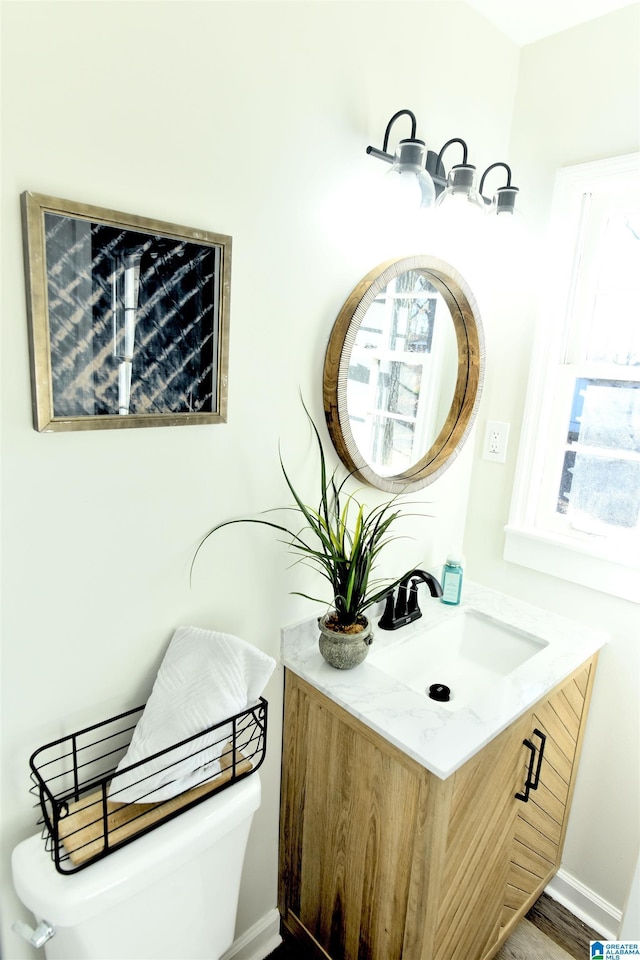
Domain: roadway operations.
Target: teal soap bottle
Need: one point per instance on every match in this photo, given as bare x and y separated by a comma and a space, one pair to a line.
452, 576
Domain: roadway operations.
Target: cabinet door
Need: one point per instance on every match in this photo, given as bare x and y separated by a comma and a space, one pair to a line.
351, 810
480, 832
541, 821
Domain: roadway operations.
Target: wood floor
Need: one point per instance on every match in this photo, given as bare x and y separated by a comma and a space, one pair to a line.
549, 932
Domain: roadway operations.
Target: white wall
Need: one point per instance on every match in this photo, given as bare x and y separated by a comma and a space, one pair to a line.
577, 100
244, 118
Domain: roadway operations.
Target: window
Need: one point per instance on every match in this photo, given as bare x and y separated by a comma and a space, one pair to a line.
576, 508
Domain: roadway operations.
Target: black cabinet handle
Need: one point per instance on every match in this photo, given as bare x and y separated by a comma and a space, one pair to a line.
533, 778
543, 742
527, 786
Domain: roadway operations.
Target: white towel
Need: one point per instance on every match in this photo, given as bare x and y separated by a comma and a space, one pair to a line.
204, 678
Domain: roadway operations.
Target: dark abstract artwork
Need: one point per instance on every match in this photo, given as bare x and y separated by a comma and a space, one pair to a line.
135, 325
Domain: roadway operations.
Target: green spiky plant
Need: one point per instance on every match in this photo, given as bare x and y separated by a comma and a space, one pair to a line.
344, 553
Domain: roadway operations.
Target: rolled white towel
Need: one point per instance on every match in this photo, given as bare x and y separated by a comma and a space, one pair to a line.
204, 678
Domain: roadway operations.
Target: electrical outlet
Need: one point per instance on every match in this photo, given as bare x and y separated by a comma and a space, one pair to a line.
495, 441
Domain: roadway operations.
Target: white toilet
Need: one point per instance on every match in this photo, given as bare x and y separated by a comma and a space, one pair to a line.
169, 895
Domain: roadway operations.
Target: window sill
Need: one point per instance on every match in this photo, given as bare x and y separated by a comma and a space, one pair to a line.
557, 558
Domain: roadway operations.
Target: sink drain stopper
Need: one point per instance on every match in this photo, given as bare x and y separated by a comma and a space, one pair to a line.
439, 691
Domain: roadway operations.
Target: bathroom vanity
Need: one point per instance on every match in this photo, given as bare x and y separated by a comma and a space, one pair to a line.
408, 830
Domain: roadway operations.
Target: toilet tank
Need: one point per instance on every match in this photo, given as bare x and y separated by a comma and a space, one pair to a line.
170, 894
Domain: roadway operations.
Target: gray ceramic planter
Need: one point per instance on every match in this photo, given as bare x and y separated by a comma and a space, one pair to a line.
344, 650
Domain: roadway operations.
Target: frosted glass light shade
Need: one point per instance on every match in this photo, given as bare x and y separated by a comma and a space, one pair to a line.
508, 238
461, 189
408, 181
504, 201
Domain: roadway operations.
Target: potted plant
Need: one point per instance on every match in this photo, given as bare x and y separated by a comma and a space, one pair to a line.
342, 540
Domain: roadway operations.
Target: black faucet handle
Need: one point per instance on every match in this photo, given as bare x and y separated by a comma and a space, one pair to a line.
388, 617
401, 602
412, 604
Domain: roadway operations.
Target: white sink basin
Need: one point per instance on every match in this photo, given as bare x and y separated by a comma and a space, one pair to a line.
467, 652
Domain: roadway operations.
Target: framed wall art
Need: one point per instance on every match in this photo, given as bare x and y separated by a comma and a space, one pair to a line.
128, 318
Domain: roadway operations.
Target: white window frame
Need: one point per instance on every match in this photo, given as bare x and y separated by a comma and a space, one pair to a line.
585, 561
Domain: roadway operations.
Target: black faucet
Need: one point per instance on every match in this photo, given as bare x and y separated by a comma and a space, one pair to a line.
403, 610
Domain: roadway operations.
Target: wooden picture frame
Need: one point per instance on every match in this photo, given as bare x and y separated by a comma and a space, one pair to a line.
128, 318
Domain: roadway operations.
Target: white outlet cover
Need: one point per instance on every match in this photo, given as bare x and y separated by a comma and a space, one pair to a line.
495, 441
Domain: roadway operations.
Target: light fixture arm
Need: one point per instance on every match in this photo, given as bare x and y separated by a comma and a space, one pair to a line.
492, 166
505, 197
400, 113
384, 154
448, 144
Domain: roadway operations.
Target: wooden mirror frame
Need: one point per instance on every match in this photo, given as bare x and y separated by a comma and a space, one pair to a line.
468, 388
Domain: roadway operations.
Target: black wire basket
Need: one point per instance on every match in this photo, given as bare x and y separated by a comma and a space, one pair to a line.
74, 775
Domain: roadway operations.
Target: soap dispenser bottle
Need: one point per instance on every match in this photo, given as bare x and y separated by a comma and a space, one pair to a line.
452, 574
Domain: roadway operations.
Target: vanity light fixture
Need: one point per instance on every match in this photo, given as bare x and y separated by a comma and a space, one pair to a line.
424, 175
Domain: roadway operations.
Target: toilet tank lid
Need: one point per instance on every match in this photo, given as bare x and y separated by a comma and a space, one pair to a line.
68, 900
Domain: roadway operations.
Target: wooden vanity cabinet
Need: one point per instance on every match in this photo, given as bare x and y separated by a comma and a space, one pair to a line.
382, 860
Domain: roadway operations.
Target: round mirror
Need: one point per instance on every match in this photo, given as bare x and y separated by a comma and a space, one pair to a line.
403, 373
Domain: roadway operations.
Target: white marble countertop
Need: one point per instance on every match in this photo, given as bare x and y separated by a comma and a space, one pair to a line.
437, 737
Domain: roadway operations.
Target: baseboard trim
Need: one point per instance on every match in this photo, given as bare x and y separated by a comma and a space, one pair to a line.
264, 936
258, 941
585, 904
